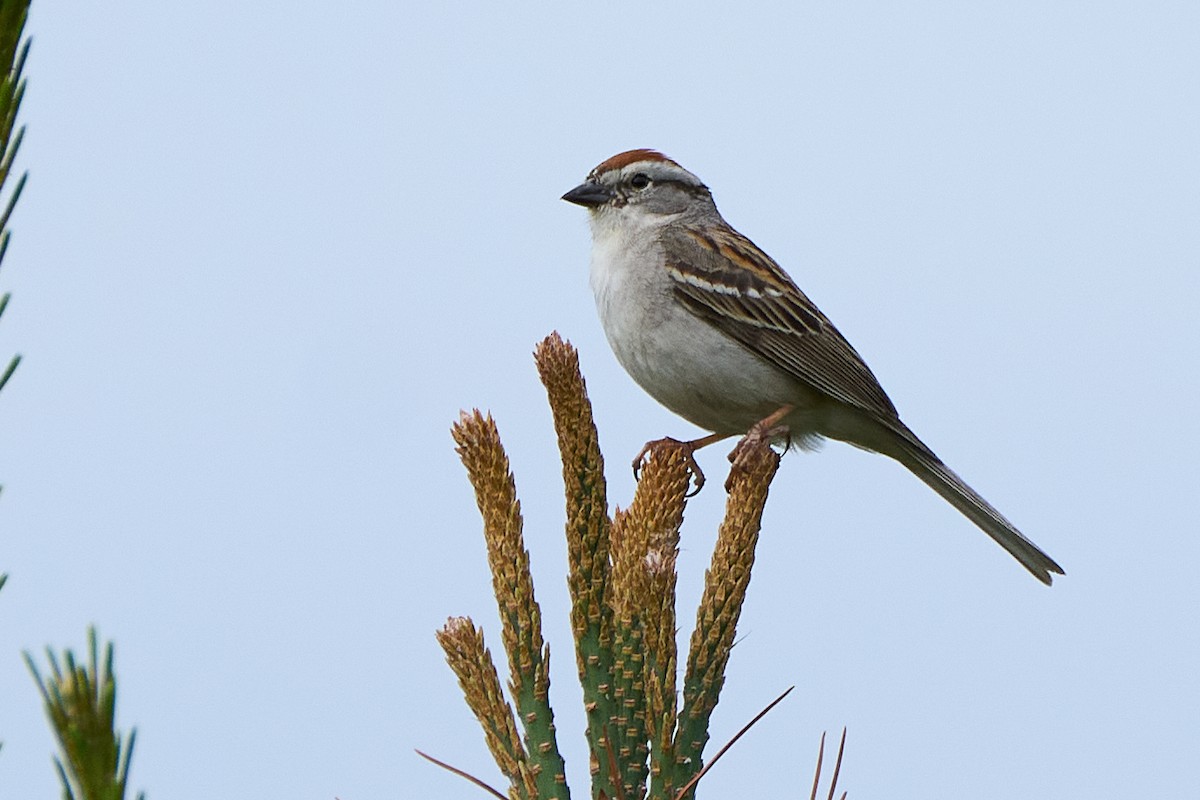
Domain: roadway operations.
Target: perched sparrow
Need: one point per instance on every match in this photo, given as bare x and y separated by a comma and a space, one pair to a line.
717, 332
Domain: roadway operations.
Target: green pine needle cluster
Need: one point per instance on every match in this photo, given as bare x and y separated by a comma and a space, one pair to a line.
13, 52
81, 702
80, 699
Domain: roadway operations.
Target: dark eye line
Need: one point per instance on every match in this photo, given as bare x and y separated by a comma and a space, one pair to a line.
682, 184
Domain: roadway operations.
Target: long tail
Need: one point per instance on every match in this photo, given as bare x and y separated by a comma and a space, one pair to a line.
922, 462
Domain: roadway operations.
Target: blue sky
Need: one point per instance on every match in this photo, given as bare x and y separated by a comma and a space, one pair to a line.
269, 250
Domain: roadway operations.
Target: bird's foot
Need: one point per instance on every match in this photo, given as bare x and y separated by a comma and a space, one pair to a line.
688, 450
767, 431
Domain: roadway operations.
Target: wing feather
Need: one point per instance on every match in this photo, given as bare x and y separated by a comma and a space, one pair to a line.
724, 278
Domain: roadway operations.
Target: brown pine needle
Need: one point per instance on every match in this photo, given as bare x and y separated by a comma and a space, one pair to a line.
817, 777
460, 773
614, 772
687, 787
837, 766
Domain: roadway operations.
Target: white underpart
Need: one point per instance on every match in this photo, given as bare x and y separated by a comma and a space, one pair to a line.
680, 360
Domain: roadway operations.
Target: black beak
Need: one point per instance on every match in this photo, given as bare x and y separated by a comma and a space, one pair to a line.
589, 194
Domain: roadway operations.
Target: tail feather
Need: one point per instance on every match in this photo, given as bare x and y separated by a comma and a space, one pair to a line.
922, 462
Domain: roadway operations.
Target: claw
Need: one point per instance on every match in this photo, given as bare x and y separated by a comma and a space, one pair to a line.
767, 430
687, 448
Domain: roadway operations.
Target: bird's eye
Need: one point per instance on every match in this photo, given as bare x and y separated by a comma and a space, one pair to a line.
640, 181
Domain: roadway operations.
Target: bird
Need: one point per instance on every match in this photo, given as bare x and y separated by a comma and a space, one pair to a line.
714, 329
